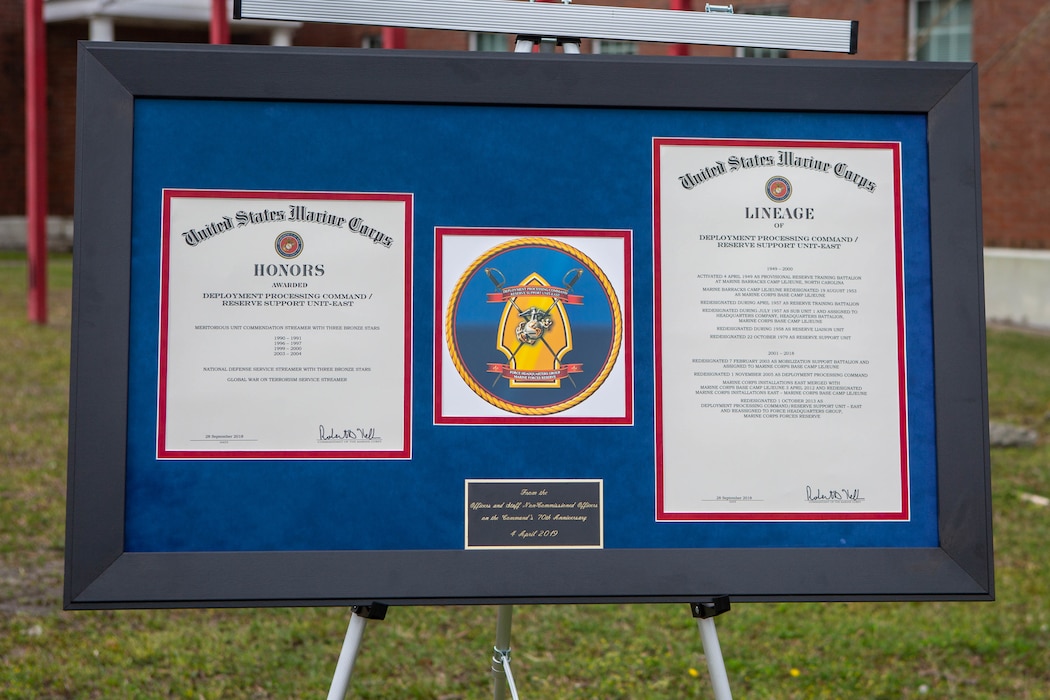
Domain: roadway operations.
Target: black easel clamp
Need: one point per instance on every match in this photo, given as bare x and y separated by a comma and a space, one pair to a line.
716, 606
374, 611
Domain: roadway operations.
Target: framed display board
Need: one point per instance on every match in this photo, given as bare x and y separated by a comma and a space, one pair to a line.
428, 328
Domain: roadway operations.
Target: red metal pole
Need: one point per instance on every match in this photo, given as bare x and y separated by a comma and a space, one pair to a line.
680, 49
220, 23
36, 160
393, 37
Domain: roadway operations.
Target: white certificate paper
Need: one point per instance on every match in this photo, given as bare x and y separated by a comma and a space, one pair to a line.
780, 355
285, 325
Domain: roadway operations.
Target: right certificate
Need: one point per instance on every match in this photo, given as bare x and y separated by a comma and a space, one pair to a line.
779, 329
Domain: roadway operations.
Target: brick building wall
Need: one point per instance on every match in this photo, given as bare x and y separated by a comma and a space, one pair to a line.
1011, 44
1012, 49
61, 112
12, 119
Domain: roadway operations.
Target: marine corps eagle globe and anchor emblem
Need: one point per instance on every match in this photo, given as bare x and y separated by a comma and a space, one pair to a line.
288, 245
778, 189
521, 333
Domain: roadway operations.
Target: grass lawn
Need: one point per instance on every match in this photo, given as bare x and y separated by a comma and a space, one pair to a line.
842, 650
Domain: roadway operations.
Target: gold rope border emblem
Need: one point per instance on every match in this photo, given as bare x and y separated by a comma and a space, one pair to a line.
610, 294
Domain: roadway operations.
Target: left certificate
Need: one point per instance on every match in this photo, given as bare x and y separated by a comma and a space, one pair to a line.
285, 325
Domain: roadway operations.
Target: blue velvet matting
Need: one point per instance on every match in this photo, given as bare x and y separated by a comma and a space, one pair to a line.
468, 166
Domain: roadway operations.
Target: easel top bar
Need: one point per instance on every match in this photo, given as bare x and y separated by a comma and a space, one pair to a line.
563, 20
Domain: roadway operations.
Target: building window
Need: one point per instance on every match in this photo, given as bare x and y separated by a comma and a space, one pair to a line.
372, 41
752, 52
480, 41
614, 47
941, 30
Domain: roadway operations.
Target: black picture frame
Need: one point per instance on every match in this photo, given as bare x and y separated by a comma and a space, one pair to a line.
100, 573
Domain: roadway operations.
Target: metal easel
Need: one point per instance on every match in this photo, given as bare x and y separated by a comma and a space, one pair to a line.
502, 677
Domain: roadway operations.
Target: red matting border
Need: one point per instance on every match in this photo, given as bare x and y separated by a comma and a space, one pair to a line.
627, 417
781, 516
162, 452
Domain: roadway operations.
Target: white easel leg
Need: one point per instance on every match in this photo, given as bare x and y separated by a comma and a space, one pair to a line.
347, 656
351, 645
716, 665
